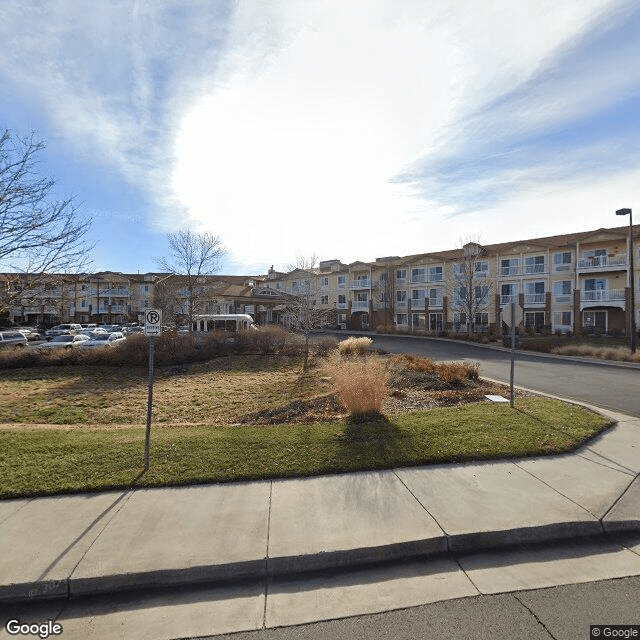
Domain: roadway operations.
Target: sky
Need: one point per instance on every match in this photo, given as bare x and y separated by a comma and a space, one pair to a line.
342, 129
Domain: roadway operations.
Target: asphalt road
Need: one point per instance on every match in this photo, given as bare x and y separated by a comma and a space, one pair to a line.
611, 387
558, 613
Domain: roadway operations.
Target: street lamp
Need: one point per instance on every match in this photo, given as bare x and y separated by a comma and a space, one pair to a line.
624, 212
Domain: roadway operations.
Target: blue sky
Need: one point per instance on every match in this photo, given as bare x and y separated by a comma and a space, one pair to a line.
346, 130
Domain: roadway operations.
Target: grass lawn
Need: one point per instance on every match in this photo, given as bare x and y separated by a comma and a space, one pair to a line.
78, 429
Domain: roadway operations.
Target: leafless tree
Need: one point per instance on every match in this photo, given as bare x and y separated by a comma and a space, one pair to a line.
39, 235
192, 257
470, 287
302, 307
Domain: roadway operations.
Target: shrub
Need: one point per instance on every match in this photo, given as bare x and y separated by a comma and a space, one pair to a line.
324, 346
362, 385
354, 346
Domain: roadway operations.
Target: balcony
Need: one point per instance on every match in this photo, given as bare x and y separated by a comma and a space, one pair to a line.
534, 298
602, 263
436, 303
508, 272
360, 283
418, 277
360, 305
534, 269
342, 305
508, 299
417, 304
436, 277
602, 297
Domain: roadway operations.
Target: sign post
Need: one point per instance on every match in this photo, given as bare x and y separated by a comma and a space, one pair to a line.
152, 329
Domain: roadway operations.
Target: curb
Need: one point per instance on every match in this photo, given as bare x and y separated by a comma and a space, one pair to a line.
291, 567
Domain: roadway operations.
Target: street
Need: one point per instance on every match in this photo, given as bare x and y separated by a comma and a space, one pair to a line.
614, 388
558, 613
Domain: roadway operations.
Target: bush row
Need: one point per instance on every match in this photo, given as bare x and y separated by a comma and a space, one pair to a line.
170, 349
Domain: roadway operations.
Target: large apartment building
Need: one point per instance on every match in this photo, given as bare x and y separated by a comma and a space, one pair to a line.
562, 284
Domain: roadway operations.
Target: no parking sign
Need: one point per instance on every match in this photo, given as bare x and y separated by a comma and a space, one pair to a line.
153, 322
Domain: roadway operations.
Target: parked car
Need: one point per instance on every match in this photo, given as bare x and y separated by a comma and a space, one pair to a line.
12, 338
30, 334
131, 330
64, 342
63, 329
104, 340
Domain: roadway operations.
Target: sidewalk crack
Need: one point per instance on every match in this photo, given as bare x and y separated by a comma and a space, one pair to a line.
533, 475
123, 499
415, 497
266, 560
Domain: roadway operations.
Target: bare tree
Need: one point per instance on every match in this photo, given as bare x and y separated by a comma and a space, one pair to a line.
302, 307
39, 235
470, 287
192, 256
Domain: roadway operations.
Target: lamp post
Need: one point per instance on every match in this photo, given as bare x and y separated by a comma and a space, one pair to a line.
624, 212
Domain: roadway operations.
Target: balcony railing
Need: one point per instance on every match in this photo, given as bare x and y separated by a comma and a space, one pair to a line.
530, 269
360, 283
602, 295
506, 272
418, 277
534, 298
602, 262
417, 303
508, 299
562, 298
342, 305
436, 277
360, 305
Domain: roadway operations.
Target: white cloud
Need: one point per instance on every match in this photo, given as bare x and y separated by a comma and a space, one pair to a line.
319, 106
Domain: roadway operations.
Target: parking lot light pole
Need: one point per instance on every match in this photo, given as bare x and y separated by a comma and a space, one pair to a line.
625, 212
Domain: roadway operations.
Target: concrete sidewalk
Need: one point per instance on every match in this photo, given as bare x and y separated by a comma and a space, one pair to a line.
108, 542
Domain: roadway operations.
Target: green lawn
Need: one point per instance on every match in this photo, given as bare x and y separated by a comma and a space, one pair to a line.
58, 460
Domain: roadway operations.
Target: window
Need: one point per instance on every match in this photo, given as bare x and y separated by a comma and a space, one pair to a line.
417, 275
562, 261
509, 267
342, 281
324, 282
459, 319
481, 293
401, 318
435, 322
435, 274
417, 320
534, 264
482, 268
401, 296
534, 320
562, 290
595, 284
508, 293
324, 299
401, 275
562, 318
418, 294
481, 319
460, 293
534, 293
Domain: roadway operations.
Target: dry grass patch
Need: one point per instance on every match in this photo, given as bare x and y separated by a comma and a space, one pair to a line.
355, 346
606, 353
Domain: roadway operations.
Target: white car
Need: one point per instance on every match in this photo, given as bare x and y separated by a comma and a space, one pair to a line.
64, 342
104, 340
